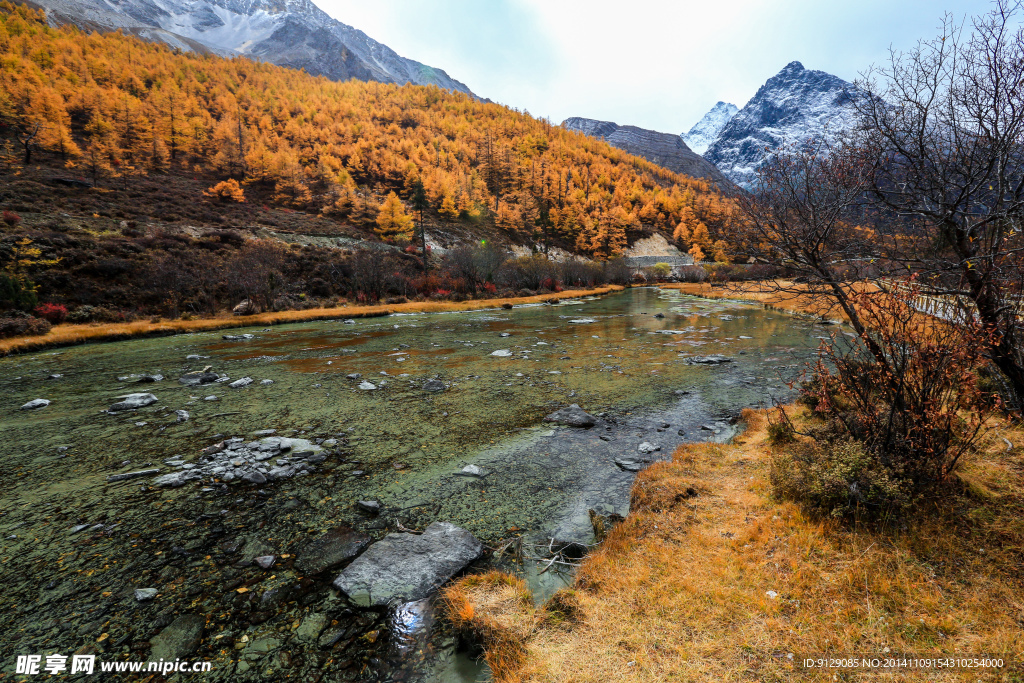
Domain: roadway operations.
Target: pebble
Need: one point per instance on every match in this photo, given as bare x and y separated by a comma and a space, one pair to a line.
132, 475
265, 561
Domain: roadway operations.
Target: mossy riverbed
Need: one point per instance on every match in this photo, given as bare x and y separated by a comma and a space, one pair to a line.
75, 546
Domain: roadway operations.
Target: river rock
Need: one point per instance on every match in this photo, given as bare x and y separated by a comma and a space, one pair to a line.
144, 594
238, 337
266, 382
647, 447
367, 386
36, 404
175, 479
433, 385
572, 416
631, 464
502, 353
133, 401
470, 471
407, 567
204, 376
239, 383
124, 476
179, 639
715, 359
371, 506
182, 415
328, 551
147, 379
582, 321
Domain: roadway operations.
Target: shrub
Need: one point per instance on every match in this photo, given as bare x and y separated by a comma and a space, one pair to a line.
781, 432
692, 274
23, 326
839, 477
82, 314
54, 313
10, 218
907, 394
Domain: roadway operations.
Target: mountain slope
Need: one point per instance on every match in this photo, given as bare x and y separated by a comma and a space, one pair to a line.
793, 106
663, 149
291, 33
707, 130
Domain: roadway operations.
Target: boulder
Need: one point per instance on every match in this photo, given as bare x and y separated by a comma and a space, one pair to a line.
182, 415
367, 386
407, 567
245, 307
178, 640
133, 401
36, 404
328, 551
572, 416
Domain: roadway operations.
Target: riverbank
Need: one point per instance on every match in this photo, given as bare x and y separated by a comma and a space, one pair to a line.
710, 578
765, 293
67, 335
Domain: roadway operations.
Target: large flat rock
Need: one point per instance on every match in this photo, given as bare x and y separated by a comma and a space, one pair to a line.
407, 567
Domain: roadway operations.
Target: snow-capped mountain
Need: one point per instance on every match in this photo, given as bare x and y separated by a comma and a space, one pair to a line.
706, 131
794, 106
292, 33
663, 149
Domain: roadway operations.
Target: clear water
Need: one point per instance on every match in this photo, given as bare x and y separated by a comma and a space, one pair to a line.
399, 445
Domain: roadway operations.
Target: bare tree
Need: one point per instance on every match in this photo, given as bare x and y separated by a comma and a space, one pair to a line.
943, 128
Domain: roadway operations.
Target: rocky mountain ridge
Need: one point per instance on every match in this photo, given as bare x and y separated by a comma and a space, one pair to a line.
792, 107
291, 33
664, 149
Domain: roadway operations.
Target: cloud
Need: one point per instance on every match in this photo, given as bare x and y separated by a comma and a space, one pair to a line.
649, 63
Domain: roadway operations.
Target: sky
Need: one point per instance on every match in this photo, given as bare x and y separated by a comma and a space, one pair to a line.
651, 63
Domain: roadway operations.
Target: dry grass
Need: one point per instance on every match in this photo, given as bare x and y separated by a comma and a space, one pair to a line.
679, 591
67, 335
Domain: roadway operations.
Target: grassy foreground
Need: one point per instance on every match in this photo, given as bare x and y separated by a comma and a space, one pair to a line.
66, 335
712, 579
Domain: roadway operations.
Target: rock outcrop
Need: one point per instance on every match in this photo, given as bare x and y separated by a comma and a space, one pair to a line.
663, 149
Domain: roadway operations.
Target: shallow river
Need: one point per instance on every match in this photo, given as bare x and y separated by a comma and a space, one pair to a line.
628, 358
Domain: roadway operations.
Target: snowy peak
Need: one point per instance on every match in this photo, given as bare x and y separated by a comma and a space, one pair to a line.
663, 149
792, 107
292, 33
706, 131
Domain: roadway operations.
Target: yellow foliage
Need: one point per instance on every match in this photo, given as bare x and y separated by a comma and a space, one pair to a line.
226, 191
392, 221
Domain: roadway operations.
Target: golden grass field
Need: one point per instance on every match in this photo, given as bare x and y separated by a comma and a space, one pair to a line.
66, 335
680, 590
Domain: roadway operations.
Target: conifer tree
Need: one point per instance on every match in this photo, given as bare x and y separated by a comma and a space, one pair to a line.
393, 224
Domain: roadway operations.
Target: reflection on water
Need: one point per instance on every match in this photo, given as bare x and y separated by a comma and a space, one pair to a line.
398, 444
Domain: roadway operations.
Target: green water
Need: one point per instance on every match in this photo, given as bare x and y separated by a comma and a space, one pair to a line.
396, 444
